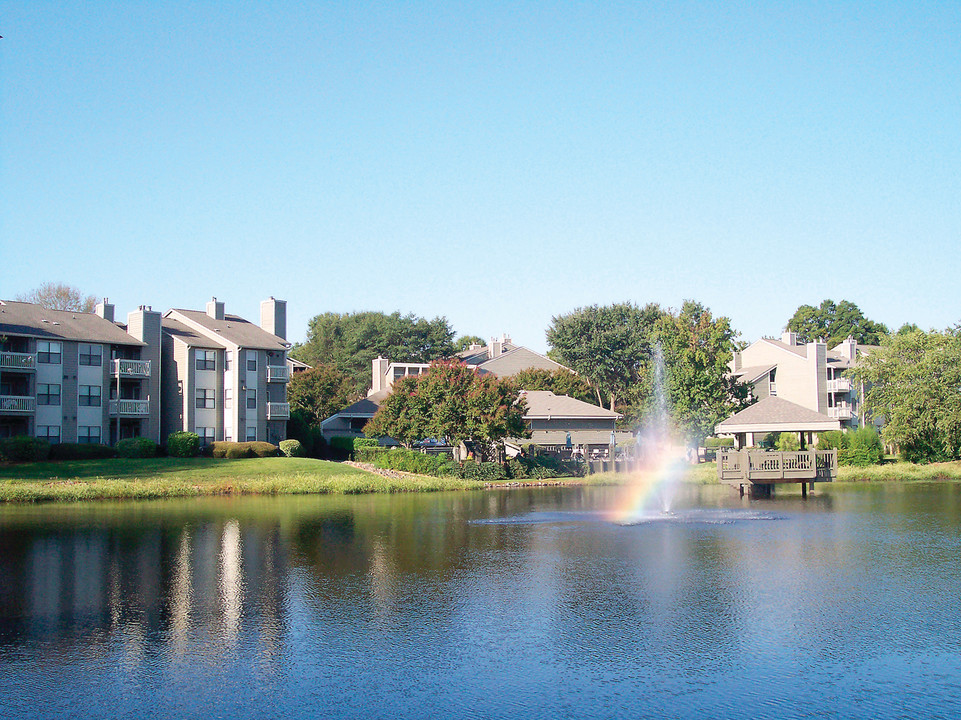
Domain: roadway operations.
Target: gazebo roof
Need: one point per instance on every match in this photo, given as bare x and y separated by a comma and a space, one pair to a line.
774, 414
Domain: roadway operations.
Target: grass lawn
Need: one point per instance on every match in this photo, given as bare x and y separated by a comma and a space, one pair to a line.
178, 477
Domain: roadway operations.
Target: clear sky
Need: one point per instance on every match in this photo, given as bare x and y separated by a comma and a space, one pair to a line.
497, 164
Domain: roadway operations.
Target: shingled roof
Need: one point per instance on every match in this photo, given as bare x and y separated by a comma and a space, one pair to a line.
31, 320
774, 414
233, 330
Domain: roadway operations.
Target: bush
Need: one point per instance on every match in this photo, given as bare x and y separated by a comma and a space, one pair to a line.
369, 454
542, 467
484, 471
863, 448
183, 444
718, 443
137, 448
237, 450
292, 448
788, 442
81, 451
365, 442
412, 461
263, 449
830, 440
300, 428
24, 448
340, 447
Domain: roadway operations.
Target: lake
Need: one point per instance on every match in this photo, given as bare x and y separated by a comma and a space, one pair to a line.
529, 603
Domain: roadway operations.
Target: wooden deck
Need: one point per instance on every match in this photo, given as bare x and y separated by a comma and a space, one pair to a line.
759, 470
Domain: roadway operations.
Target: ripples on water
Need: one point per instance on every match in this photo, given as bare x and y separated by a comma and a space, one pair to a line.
504, 604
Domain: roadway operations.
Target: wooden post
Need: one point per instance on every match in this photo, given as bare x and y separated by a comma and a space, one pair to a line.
804, 490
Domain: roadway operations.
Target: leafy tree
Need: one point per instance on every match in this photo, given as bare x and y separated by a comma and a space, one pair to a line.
914, 382
611, 347
559, 382
350, 341
697, 348
834, 323
465, 341
320, 392
907, 328
60, 296
450, 401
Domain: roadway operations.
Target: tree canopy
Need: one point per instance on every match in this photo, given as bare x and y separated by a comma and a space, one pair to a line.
833, 323
465, 341
450, 401
351, 341
60, 296
319, 392
914, 382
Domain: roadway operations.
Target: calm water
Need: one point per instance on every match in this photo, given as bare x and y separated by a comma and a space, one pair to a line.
485, 605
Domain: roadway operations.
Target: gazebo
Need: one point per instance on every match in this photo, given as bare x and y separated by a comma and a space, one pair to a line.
774, 414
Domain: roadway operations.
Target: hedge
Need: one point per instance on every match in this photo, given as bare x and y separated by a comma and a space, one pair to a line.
341, 447
860, 447
717, 443
137, 448
292, 448
412, 461
238, 450
183, 444
541, 467
81, 451
24, 448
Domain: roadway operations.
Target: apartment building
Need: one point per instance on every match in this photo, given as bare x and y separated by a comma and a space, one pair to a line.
79, 377
225, 378
809, 375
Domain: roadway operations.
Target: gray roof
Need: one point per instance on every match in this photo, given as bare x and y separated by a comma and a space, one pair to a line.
519, 358
28, 319
753, 373
543, 403
578, 437
796, 349
187, 335
363, 408
233, 329
774, 414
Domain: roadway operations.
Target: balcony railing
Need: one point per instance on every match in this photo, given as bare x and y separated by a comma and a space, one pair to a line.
125, 408
839, 385
840, 412
278, 373
17, 404
130, 368
278, 411
18, 361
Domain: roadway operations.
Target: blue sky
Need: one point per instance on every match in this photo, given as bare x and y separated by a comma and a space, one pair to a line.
494, 163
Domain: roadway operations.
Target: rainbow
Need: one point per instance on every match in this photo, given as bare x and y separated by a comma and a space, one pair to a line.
651, 490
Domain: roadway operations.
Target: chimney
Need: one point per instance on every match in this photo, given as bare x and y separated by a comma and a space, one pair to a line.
378, 375
848, 348
105, 310
789, 338
498, 345
215, 309
273, 317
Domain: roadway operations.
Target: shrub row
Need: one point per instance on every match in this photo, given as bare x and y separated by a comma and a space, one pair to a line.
137, 448
411, 461
24, 448
239, 450
718, 443
540, 467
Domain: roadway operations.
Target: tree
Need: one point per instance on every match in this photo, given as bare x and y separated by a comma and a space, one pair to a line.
465, 341
914, 382
351, 341
60, 296
834, 323
559, 382
697, 348
320, 392
454, 402
611, 347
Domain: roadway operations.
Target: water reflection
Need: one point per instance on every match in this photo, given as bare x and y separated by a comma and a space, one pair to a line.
481, 604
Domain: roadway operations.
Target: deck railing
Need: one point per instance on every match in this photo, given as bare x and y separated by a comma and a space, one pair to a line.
278, 411
129, 407
18, 361
278, 373
839, 385
130, 368
763, 466
17, 404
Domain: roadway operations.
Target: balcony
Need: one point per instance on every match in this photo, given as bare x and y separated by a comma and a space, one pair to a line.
129, 408
130, 368
17, 404
278, 411
18, 361
840, 385
840, 412
278, 373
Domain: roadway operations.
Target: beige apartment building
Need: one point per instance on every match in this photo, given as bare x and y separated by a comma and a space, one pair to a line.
83, 377
79, 377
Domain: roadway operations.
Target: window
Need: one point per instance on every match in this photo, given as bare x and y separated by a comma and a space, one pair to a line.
89, 396
91, 354
50, 433
205, 398
48, 394
251, 399
207, 435
251, 433
251, 361
206, 359
49, 352
228, 398
88, 434
228, 359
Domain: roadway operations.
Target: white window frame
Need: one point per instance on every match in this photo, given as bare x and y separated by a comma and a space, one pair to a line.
203, 358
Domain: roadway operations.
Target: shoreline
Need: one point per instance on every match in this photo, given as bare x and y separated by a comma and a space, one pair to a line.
158, 478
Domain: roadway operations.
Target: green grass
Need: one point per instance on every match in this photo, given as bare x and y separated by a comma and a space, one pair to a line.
175, 477
901, 472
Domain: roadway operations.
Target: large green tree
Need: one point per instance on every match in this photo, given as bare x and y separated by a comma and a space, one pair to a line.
320, 392
697, 348
609, 346
350, 341
914, 382
833, 323
454, 402
465, 341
